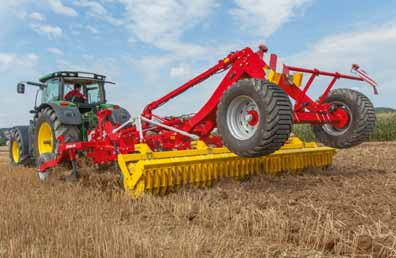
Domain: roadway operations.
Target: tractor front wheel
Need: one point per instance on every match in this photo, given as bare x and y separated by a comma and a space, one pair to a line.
254, 118
44, 175
48, 129
359, 122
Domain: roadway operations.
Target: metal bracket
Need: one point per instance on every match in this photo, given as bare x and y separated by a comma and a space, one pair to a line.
192, 136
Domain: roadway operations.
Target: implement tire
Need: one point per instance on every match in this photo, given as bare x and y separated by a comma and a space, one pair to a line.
254, 118
361, 120
48, 129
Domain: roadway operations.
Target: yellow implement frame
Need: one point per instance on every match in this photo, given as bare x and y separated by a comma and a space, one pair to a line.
159, 172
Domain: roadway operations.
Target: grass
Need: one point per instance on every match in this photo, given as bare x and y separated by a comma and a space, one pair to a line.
385, 129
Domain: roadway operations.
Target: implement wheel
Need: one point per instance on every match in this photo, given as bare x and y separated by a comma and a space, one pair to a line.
48, 129
254, 118
358, 126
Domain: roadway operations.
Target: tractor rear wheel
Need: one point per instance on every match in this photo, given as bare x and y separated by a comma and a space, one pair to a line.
254, 118
15, 147
48, 129
360, 123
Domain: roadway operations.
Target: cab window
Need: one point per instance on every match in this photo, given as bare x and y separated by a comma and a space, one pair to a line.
68, 87
90, 90
93, 93
51, 92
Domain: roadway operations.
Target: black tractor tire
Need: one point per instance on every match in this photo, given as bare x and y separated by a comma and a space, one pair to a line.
17, 156
46, 157
47, 115
359, 128
273, 110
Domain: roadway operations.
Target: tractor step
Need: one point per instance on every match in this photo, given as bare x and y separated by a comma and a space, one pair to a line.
161, 172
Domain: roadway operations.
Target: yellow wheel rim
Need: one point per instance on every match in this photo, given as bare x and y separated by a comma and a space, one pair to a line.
45, 140
15, 151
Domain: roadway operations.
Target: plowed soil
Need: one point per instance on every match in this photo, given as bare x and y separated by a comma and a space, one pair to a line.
348, 210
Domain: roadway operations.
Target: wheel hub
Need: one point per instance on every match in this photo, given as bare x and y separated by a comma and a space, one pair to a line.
243, 117
252, 117
344, 114
15, 151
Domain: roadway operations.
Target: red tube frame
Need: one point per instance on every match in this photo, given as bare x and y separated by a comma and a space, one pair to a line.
248, 64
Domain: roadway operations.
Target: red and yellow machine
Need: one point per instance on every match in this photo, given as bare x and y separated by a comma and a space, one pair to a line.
243, 129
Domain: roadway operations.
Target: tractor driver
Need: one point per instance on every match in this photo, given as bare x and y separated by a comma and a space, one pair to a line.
76, 95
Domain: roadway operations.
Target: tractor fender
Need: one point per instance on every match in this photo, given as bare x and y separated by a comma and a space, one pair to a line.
66, 115
120, 115
23, 131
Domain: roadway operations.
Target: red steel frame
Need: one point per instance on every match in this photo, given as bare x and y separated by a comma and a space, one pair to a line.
247, 64
108, 140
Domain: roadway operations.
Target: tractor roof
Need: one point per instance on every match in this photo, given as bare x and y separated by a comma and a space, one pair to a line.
73, 75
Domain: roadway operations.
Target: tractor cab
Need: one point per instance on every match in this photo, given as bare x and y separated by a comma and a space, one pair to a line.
60, 84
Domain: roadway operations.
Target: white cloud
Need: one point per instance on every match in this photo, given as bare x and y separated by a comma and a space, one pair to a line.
88, 57
37, 16
16, 67
107, 66
372, 49
10, 11
264, 17
92, 29
7, 5
75, 29
52, 32
97, 10
132, 40
58, 7
150, 66
181, 71
55, 51
9, 61
161, 23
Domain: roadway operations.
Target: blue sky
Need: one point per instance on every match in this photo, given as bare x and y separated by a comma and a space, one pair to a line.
150, 47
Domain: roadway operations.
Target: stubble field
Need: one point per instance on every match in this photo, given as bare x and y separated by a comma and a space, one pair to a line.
348, 210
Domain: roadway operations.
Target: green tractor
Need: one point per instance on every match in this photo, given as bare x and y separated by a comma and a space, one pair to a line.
55, 114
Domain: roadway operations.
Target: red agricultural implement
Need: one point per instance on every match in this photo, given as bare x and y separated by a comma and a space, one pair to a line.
243, 129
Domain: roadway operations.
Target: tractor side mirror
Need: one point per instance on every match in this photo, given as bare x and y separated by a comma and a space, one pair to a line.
21, 88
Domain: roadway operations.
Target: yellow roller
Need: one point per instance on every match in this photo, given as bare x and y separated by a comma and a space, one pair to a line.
159, 172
